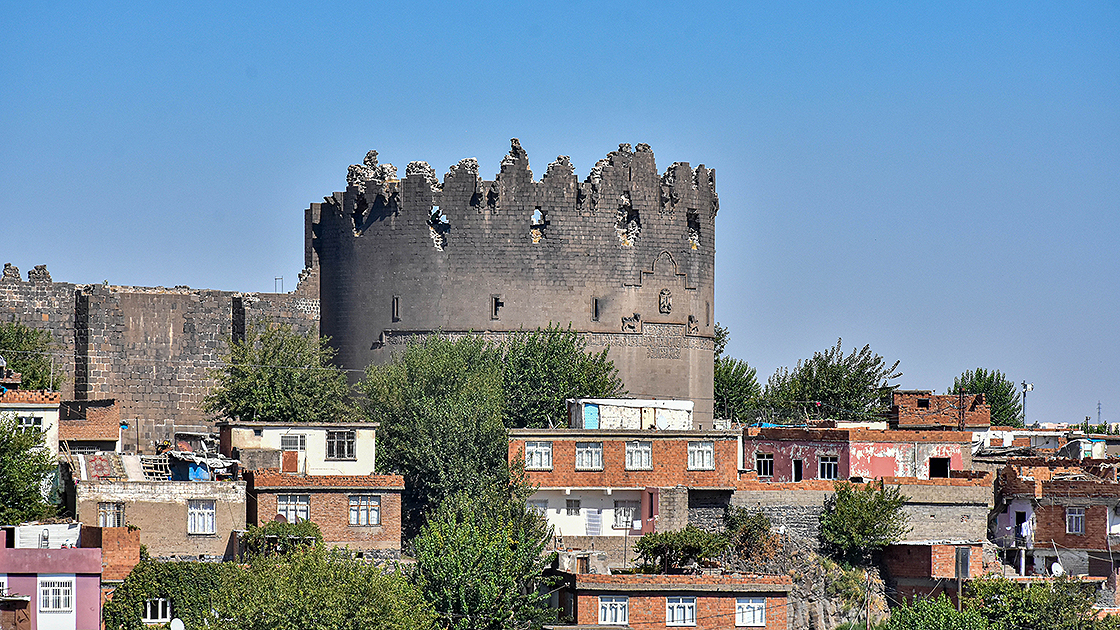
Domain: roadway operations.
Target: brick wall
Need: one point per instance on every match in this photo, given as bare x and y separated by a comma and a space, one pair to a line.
669, 460
1050, 526
330, 510
120, 549
941, 410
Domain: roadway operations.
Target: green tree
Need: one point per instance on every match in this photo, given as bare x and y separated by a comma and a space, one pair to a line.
737, 391
313, 588
668, 552
279, 537
480, 562
1059, 604
747, 531
25, 468
28, 351
721, 337
857, 522
1001, 394
543, 368
440, 405
845, 387
190, 586
934, 614
277, 375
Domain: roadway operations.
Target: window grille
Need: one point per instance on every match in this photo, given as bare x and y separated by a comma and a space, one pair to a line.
701, 455
614, 610
110, 515
589, 455
538, 455
340, 445
201, 517
294, 507
365, 510
639, 455
56, 596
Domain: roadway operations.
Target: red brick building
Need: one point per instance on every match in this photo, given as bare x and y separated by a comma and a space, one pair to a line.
926, 569
922, 409
666, 601
359, 511
90, 426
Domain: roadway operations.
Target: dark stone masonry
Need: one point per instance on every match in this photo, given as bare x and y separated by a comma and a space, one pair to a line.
625, 257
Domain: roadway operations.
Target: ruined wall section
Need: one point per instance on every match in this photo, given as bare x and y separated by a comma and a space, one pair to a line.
625, 257
152, 349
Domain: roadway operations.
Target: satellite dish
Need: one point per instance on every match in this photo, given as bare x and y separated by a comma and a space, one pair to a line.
176, 624
1055, 568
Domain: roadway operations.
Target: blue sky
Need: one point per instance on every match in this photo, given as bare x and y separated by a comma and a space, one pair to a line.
938, 180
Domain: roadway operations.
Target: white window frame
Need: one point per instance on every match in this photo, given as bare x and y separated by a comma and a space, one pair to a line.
614, 610
833, 463
294, 508
589, 455
156, 611
300, 440
702, 455
764, 460
639, 455
1075, 520
26, 423
202, 516
750, 612
3, 585
572, 507
540, 506
365, 510
632, 510
56, 595
538, 455
680, 611
110, 514
344, 440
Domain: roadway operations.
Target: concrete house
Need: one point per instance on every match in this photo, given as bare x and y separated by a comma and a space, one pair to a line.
48, 587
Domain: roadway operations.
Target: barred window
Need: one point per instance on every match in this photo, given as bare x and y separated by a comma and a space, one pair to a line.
538, 455
639, 455
201, 516
701, 455
156, 610
294, 507
110, 515
750, 611
340, 445
293, 442
572, 507
56, 596
680, 611
625, 513
589, 455
614, 610
365, 509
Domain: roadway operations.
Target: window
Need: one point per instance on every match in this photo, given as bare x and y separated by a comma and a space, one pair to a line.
680, 611
396, 308
594, 309
201, 515
110, 515
365, 509
3, 585
701, 455
156, 610
27, 423
797, 465
939, 467
830, 467
589, 455
538, 455
750, 611
294, 507
293, 442
572, 507
625, 513
496, 304
639, 455
56, 596
540, 506
764, 464
614, 610
923, 403
1075, 520
340, 445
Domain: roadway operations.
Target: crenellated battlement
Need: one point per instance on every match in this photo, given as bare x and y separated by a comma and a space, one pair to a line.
626, 256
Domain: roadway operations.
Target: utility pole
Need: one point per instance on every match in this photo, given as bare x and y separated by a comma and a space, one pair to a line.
1027, 387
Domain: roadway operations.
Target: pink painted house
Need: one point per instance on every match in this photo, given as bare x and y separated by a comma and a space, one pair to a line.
63, 586
792, 455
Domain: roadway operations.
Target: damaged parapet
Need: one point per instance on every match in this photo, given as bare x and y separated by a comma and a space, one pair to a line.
624, 255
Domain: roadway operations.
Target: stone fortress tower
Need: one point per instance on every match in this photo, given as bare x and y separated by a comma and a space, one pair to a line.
625, 257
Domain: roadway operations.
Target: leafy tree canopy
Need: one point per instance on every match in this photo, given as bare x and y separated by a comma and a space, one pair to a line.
934, 614
737, 391
748, 533
668, 552
277, 375
1000, 393
543, 368
859, 521
28, 351
847, 387
278, 537
722, 336
480, 562
25, 467
1060, 604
